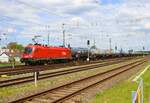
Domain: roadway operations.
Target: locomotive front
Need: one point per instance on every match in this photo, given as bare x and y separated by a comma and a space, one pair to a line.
27, 55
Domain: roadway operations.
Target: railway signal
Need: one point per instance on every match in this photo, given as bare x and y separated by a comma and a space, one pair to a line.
88, 44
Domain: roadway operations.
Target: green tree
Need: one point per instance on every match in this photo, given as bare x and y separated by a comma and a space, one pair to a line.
15, 47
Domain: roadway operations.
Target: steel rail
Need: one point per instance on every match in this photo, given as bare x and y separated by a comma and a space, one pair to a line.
28, 69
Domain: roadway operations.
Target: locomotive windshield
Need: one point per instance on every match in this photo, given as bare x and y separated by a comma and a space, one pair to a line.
28, 50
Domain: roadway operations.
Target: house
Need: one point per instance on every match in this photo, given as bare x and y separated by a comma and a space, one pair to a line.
4, 57
4, 50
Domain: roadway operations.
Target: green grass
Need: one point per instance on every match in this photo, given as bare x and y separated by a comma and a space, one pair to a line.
117, 94
146, 78
4, 64
8, 64
121, 93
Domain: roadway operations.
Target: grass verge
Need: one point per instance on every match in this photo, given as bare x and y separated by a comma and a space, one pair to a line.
9, 64
121, 93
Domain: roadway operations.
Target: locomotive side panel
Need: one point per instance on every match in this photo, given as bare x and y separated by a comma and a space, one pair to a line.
59, 53
51, 53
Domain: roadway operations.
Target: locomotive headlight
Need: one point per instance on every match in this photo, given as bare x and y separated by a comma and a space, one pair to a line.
64, 53
26, 56
30, 56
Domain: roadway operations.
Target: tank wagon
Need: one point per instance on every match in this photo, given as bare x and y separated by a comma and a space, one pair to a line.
79, 53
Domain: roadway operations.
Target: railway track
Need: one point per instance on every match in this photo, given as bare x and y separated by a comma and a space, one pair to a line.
11, 82
67, 91
28, 69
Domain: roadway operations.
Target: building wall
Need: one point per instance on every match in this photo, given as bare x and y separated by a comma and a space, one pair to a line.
17, 59
4, 58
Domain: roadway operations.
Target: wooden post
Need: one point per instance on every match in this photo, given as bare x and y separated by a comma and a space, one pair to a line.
35, 78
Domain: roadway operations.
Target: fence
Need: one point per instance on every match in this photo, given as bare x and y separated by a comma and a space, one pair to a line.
137, 96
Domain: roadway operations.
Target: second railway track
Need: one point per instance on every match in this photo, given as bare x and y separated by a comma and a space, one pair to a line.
28, 69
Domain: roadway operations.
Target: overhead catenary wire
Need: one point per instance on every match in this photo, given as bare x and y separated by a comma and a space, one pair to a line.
39, 8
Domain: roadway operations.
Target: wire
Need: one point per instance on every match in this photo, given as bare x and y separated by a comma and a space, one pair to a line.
41, 9
5, 18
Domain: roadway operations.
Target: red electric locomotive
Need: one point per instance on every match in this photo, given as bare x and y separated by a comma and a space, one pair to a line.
39, 54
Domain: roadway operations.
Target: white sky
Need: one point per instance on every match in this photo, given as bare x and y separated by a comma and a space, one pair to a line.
127, 22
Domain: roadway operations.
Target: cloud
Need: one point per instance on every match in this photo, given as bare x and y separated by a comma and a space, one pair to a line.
84, 19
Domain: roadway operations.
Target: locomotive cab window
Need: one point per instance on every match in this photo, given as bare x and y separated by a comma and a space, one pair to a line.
28, 50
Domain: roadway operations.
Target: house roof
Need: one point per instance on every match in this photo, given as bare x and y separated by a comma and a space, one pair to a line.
5, 53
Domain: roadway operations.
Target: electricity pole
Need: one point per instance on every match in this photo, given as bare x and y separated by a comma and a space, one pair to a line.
0, 43
63, 34
5, 38
48, 39
94, 43
143, 50
110, 45
116, 48
48, 35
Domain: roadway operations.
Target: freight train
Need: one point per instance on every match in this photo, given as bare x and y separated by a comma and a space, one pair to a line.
43, 54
